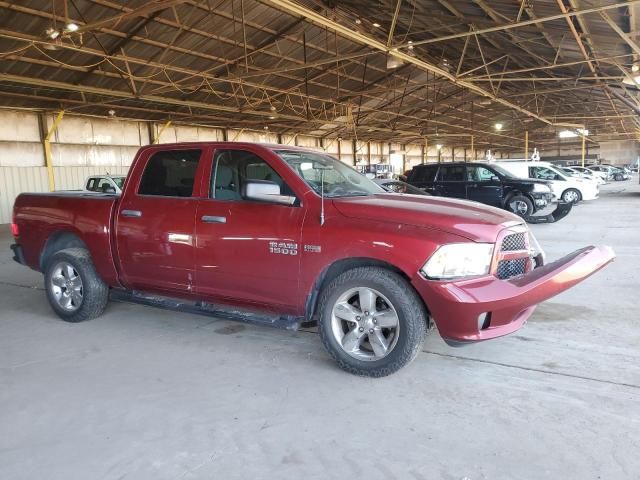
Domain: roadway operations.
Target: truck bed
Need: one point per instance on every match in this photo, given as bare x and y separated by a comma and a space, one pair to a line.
43, 217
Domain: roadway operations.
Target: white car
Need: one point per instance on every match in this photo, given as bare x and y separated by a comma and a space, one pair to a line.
564, 186
581, 172
105, 184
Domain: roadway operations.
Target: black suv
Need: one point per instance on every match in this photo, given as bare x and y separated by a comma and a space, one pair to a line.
485, 183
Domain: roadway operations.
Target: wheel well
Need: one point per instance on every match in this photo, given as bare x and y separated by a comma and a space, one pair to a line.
512, 194
59, 241
339, 267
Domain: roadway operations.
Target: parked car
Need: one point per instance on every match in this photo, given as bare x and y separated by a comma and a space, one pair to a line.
105, 183
565, 187
604, 170
619, 173
574, 172
485, 183
399, 186
600, 177
282, 235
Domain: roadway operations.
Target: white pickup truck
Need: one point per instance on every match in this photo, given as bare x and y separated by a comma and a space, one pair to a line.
105, 183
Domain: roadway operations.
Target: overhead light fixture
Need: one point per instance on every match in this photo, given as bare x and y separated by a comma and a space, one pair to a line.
573, 133
71, 27
112, 113
377, 25
52, 33
635, 68
439, 146
499, 126
632, 80
358, 21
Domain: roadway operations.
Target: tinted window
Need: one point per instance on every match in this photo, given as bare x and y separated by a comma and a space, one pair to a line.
424, 174
232, 170
170, 174
479, 174
451, 173
91, 184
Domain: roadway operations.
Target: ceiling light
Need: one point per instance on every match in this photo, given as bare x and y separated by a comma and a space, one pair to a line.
439, 146
358, 21
377, 25
499, 126
410, 47
635, 68
410, 42
71, 27
52, 33
272, 117
634, 81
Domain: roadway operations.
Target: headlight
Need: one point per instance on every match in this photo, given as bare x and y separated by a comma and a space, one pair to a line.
459, 260
540, 188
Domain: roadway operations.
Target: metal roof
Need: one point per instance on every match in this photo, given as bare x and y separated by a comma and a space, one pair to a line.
390, 70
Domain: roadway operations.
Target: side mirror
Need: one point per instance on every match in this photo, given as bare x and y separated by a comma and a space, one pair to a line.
495, 179
266, 191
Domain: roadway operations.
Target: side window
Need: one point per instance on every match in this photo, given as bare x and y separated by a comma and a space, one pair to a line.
91, 184
479, 174
424, 174
543, 173
170, 174
451, 173
233, 168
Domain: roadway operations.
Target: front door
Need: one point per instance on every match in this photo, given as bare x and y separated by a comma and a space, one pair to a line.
246, 248
484, 186
155, 223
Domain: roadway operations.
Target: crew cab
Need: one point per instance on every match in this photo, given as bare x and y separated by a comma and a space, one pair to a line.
484, 183
287, 236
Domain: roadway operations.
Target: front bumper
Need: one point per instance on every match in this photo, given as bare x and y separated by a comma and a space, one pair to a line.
459, 307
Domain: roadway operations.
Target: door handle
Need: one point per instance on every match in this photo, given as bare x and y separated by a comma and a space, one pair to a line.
213, 219
131, 213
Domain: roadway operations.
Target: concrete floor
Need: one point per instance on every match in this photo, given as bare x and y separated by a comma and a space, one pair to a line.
142, 393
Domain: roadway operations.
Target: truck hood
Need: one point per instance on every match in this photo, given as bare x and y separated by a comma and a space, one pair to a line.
471, 220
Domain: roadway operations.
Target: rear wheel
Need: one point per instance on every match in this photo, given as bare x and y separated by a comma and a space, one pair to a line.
571, 195
619, 177
74, 289
520, 205
372, 322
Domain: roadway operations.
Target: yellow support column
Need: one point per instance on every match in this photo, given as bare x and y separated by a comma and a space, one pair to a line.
164, 127
584, 146
473, 148
48, 156
526, 145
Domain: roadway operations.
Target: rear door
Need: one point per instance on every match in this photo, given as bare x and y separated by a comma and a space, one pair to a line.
484, 185
247, 249
451, 181
156, 219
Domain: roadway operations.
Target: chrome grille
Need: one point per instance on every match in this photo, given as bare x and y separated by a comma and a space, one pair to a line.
515, 241
511, 268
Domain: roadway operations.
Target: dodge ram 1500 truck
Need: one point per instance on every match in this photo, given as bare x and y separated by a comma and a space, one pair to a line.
288, 236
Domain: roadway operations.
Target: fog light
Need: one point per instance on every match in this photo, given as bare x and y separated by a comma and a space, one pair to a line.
484, 320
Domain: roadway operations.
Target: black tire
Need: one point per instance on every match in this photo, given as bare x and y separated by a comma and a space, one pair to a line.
94, 292
411, 313
570, 193
619, 177
520, 200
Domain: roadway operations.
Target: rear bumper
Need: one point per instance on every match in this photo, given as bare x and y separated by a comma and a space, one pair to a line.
458, 307
18, 254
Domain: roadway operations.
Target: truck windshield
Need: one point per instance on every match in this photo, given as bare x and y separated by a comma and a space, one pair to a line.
339, 180
119, 181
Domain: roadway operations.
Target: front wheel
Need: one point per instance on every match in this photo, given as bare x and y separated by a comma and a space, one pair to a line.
571, 195
372, 322
520, 205
74, 289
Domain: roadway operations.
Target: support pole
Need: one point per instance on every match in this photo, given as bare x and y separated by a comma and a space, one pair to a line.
526, 145
473, 148
48, 156
584, 145
164, 127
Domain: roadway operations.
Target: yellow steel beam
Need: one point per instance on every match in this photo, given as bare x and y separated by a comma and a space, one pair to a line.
48, 156
164, 127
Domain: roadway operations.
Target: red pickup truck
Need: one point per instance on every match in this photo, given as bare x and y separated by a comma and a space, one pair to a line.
288, 236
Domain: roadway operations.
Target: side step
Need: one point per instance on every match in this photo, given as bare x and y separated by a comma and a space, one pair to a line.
202, 308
